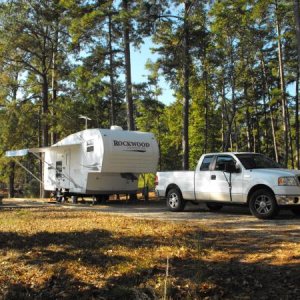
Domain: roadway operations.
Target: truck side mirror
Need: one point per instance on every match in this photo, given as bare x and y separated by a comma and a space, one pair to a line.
231, 168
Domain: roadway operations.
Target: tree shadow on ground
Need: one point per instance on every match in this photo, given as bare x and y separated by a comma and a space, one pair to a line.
195, 274
235, 279
64, 286
59, 286
82, 240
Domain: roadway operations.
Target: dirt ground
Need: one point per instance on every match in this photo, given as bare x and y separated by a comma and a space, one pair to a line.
231, 218
120, 250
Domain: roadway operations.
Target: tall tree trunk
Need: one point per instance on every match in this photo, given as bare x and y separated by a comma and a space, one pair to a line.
223, 114
111, 74
11, 178
256, 135
186, 91
45, 111
45, 95
255, 124
290, 138
228, 135
40, 145
283, 95
265, 136
248, 121
297, 21
249, 144
206, 113
223, 129
230, 118
297, 120
54, 83
267, 89
231, 142
237, 143
44, 121
45, 128
129, 100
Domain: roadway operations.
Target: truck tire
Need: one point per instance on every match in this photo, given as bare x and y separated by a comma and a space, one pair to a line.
263, 204
214, 206
175, 202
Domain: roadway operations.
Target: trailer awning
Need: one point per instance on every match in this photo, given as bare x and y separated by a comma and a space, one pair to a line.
23, 152
53, 148
14, 153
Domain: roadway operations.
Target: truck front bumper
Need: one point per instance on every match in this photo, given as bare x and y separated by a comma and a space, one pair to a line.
288, 199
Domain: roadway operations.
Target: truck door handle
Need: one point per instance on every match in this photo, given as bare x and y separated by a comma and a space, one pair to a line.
213, 177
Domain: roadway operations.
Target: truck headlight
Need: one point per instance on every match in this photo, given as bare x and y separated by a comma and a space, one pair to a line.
287, 180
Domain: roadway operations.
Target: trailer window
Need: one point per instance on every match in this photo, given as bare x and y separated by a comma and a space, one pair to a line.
58, 168
206, 162
90, 146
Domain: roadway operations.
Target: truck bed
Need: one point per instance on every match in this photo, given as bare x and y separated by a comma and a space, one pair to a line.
183, 179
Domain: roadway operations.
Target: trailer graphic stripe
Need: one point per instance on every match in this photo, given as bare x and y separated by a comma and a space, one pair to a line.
142, 151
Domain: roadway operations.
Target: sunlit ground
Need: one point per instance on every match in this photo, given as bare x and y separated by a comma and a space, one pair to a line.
48, 253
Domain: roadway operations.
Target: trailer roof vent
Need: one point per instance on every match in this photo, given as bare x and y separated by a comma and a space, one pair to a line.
115, 127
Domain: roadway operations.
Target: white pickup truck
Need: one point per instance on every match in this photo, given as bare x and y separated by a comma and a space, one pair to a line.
233, 178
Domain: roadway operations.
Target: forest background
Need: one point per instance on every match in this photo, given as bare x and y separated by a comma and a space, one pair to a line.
233, 64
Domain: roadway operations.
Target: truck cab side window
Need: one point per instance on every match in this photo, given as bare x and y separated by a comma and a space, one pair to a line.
206, 162
222, 161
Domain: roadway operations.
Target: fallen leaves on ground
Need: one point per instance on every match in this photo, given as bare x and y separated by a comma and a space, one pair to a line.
62, 254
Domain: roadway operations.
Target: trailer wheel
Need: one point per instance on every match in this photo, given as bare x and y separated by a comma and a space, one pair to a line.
59, 199
175, 202
214, 206
263, 205
101, 199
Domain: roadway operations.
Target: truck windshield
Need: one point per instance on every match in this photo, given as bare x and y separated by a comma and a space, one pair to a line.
257, 161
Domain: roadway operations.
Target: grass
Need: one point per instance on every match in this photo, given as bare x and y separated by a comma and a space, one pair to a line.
61, 254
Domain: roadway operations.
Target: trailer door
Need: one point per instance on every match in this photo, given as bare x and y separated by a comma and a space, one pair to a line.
62, 167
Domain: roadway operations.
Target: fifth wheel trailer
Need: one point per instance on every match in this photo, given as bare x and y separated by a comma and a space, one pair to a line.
97, 162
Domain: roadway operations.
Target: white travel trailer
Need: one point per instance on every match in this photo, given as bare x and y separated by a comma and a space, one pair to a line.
97, 162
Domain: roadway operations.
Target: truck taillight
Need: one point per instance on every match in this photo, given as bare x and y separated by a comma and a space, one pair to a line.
156, 180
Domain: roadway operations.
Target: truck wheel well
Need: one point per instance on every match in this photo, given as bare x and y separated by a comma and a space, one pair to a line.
172, 186
258, 187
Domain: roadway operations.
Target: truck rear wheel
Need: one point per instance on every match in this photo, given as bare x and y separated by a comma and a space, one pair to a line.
263, 205
175, 202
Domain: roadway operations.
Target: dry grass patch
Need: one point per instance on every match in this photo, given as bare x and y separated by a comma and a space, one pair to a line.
61, 254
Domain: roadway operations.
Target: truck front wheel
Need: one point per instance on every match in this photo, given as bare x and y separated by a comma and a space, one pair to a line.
263, 205
175, 201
